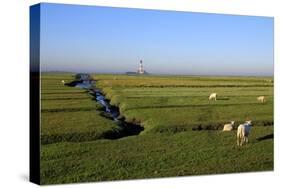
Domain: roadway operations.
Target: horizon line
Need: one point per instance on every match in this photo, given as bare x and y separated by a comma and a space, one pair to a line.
156, 74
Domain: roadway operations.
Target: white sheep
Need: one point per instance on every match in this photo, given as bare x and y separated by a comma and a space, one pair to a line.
229, 126
213, 96
63, 82
269, 80
243, 132
261, 99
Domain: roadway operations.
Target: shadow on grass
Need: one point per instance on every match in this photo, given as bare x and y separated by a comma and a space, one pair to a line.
223, 99
270, 136
68, 109
189, 105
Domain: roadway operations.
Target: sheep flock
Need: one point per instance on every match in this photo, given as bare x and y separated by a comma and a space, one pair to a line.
243, 130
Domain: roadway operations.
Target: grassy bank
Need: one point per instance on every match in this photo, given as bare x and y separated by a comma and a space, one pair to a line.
69, 113
169, 108
164, 108
156, 155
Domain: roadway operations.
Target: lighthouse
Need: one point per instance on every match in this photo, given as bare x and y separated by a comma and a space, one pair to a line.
140, 69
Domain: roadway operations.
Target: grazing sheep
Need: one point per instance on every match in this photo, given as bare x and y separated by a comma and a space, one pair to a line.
269, 80
213, 96
63, 82
243, 132
228, 127
261, 99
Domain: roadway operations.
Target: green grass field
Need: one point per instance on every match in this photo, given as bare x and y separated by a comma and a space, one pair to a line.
170, 108
69, 113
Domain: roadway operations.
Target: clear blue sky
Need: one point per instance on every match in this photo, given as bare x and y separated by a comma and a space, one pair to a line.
113, 40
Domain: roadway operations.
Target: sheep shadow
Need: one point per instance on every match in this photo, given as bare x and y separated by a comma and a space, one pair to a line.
223, 98
269, 136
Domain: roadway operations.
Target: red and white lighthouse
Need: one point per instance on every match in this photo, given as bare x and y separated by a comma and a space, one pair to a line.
140, 69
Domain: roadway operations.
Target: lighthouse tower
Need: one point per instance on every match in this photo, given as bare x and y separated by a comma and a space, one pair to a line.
140, 69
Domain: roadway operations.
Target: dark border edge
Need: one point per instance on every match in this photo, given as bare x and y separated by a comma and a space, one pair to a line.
34, 95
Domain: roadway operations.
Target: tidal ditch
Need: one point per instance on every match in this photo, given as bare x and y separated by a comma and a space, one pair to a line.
123, 128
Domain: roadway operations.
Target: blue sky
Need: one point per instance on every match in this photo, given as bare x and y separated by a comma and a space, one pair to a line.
113, 40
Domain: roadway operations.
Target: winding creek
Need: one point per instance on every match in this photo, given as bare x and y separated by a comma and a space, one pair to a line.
123, 128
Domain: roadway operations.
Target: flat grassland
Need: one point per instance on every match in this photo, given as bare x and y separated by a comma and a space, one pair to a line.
172, 110
69, 113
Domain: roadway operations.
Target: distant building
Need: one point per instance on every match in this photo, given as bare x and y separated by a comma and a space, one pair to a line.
131, 73
83, 77
141, 69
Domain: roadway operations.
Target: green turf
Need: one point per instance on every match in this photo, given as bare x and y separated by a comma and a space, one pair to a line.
70, 114
169, 108
74, 126
173, 109
156, 155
